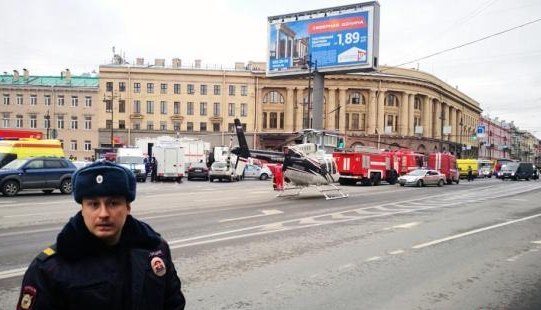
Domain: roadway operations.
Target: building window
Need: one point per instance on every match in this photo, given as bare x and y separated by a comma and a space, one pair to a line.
347, 121
137, 125
273, 97
19, 99
217, 89
191, 89
122, 106
73, 144
202, 126
264, 120
136, 106
216, 109
60, 101
216, 127
362, 124
189, 126
5, 120
88, 122
244, 90
231, 109
108, 106
47, 100
150, 88
121, 124
136, 87
416, 122
122, 86
176, 126
203, 89
231, 127
88, 101
6, 99
163, 88
163, 107
281, 120
176, 107
163, 125
88, 145
243, 109
46, 122
176, 88
19, 121
202, 108
33, 100
231, 90
392, 121
357, 98
273, 120
189, 108
150, 125
150, 107
417, 103
391, 100
74, 122
109, 86
355, 121
33, 122
60, 122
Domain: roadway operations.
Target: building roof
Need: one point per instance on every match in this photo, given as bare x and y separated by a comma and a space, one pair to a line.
76, 81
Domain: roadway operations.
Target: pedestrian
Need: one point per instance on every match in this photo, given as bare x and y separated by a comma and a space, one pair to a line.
146, 161
154, 169
103, 258
470, 174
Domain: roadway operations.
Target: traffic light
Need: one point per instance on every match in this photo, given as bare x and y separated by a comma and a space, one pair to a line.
474, 136
341, 143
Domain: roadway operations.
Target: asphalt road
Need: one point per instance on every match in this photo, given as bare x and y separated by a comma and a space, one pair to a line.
236, 246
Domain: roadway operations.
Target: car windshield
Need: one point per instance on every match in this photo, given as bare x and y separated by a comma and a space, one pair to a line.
218, 165
510, 166
16, 164
130, 160
198, 165
417, 173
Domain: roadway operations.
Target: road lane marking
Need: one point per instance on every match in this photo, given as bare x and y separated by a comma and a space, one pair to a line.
475, 231
265, 213
15, 233
346, 266
12, 273
407, 225
537, 242
373, 259
396, 252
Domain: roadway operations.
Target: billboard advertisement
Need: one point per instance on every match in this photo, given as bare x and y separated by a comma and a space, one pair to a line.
334, 40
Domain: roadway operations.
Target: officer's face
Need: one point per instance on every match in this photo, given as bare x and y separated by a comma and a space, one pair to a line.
105, 217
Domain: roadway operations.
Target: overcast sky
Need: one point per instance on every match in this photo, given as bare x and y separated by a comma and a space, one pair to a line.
502, 73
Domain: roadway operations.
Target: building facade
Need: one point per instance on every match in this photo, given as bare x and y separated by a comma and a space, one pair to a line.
496, 142
524, 144
62, 107
397, 107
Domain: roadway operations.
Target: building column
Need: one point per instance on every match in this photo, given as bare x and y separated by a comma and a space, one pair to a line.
331, 106
411, 116
425, 118
371, 122
452, 123
342, 102
446, 108
403, 115
381, 112
289, 110
299, 109
458, 130
436, 121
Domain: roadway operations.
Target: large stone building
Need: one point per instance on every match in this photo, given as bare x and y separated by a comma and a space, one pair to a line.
62, 107
398, 107
524, 144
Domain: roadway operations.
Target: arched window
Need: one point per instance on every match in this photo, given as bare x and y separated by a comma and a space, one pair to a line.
417, 103
273, 97
391, 100
357, 98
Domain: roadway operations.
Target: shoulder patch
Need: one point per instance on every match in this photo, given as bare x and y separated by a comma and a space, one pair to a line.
48, 252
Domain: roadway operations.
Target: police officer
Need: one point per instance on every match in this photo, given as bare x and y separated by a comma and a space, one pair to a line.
103, 257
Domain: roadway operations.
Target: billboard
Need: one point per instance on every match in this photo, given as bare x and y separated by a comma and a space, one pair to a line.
333, 40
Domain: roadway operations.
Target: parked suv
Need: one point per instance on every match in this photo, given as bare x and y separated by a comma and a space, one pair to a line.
516, 171
221, 171
45, 173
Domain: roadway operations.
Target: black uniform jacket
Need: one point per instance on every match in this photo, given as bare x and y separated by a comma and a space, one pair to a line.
80, 272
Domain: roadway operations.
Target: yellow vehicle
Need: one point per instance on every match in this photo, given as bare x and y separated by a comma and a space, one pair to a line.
463, 164
28, 147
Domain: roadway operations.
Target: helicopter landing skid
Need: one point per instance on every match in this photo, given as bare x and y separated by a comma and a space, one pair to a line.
331, 192
290, 191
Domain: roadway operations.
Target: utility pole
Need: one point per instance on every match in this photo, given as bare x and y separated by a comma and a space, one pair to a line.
48, 118
460, 139
442, 118
111, 98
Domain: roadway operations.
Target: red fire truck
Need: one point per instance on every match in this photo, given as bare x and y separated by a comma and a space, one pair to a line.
8, 134
444, 163
366, 165
405, 160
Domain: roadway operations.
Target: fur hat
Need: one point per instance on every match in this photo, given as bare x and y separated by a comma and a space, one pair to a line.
103, 178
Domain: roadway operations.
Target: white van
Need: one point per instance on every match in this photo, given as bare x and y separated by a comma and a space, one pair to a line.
133, 159
170, 160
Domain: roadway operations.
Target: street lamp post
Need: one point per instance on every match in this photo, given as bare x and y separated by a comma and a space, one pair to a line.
307, 110
460, 140
442, 117
48, 118
112, 97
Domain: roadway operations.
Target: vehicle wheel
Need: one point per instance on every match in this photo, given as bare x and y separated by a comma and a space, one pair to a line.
211, 179
65, 186
420, 183
144, 180
457, 181
527, 179
440, 183
47, 191
263, 176
402, 184
10, 188
393, 180
449, 181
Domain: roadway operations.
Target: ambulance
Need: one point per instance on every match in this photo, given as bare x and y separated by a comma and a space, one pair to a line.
28, 147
